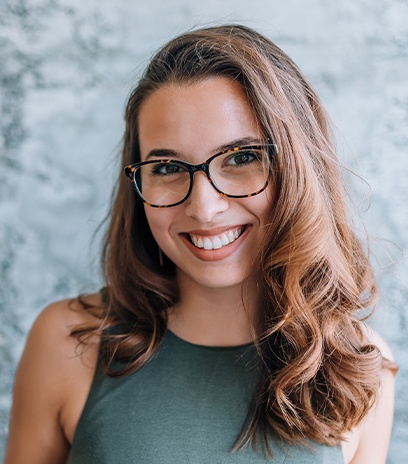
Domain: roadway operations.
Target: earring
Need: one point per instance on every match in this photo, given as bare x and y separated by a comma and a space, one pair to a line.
160, 257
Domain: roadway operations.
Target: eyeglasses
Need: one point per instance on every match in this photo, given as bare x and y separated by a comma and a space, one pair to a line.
238, 172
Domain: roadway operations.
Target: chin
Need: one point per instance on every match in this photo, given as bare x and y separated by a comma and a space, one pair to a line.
214, 279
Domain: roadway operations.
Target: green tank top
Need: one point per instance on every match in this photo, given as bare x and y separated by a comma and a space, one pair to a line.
186, 405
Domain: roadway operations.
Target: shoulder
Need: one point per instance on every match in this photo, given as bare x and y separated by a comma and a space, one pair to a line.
370, 440
50, 337
376, 339
66, 314
51, 332
52, 383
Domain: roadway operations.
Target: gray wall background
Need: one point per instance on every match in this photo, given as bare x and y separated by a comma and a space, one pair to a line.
65, 71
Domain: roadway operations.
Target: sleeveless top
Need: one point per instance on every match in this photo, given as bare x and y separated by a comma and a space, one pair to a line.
188, 404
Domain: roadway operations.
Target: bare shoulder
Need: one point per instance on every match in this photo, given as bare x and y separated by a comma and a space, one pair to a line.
66, 314
52, 383
369, 442
50, 338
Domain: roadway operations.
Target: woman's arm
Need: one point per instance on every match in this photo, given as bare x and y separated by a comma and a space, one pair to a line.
51, 387
369, 442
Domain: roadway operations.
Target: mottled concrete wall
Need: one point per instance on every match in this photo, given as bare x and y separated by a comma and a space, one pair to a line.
65, 73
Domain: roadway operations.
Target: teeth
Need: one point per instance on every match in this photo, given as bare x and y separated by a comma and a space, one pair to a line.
224, 239
208, 244
216, 242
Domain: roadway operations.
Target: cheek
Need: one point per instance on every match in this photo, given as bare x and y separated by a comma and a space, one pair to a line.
264, 207
158, 220
152, 220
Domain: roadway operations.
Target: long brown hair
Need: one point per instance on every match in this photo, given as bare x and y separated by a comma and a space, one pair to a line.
318, 374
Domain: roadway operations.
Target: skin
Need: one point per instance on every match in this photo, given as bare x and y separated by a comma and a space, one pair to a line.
54, 378
196, 125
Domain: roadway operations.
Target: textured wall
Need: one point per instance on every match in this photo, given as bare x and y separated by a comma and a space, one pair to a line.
64, 76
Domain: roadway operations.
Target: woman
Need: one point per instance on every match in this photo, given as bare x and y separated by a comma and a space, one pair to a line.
229, 327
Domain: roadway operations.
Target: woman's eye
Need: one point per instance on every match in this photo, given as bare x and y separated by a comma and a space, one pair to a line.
165, 169
242, 157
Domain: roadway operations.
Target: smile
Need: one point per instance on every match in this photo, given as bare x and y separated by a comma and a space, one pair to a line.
214, 242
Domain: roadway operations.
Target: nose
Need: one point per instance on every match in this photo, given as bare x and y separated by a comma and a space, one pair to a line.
204, 202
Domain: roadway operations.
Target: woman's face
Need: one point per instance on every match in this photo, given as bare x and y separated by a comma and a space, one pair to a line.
191, 122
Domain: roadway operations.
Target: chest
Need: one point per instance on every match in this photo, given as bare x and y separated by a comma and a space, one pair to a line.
185, 406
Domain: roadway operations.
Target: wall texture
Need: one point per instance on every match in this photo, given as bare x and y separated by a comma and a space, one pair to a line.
66, 69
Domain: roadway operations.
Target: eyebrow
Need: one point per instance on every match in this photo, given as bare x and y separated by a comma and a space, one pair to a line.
169, 153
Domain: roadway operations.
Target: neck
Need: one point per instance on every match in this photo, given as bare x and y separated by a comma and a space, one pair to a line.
213, 316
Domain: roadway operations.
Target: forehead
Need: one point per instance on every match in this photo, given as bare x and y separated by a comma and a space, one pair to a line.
195, 118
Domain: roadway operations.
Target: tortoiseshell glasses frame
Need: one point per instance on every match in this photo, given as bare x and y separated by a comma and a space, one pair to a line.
171, 168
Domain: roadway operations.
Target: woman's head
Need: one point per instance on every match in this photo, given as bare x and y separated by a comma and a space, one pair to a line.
285, 107
208, 126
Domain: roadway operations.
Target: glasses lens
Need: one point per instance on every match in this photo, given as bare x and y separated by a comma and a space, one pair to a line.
241, 172
163, 183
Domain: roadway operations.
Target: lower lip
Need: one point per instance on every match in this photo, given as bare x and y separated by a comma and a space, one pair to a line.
218, 254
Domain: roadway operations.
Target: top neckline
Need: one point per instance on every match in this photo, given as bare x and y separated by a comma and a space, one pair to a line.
172, 336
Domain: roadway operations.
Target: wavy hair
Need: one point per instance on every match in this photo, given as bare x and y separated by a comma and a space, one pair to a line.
319, 376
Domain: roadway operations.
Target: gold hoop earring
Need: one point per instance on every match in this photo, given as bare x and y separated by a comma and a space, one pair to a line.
160, 257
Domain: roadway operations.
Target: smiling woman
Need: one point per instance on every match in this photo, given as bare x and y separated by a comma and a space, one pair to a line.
229, 329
